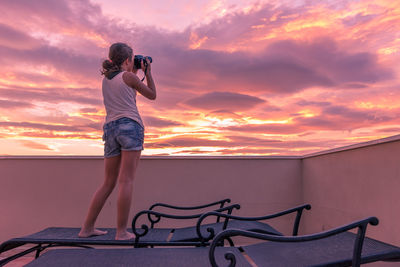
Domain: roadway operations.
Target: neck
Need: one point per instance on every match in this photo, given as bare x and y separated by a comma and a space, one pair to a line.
125, 67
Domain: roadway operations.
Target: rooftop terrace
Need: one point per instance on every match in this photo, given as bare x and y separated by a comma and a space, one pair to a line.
342, 185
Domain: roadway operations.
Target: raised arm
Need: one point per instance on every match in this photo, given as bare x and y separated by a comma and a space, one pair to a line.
133, 81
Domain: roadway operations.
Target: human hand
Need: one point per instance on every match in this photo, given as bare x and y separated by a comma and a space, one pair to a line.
146, 67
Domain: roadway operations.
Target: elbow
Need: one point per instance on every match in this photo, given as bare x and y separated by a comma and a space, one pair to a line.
153, 97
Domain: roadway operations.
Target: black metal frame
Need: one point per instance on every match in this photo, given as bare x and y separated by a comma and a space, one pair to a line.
157, 217
205, 239
39, 246
221, 204
356, 260
154, 217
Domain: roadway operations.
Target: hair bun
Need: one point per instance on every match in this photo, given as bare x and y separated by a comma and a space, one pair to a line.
107, 64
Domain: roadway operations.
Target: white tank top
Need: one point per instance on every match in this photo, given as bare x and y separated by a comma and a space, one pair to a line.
119, 100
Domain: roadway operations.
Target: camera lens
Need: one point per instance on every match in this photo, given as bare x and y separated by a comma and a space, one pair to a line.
138, 60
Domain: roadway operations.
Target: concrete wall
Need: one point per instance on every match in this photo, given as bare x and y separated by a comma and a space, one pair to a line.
342, 185
38, 192
352, 184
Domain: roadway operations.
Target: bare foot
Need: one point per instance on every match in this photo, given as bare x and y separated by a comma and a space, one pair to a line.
125, 236
93, 232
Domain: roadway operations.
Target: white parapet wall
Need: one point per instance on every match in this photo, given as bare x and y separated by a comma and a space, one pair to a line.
39, 192
342, 185
352, 183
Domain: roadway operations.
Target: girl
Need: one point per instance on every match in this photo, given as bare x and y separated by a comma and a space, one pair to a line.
123, 136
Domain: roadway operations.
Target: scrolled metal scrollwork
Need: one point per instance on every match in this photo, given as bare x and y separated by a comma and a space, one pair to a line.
231, 257
154, 217
153, 220
141, 233
144, 227
218, 213
210, 236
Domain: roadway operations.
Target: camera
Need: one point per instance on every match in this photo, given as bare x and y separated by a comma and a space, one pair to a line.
138, 61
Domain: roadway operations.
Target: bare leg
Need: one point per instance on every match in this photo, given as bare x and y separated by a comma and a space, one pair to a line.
129, 163
111, 169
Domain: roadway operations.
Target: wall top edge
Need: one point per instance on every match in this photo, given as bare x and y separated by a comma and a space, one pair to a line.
158, 157
324, 152
355, 146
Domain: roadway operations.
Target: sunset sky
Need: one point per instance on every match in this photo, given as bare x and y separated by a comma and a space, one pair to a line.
233, 77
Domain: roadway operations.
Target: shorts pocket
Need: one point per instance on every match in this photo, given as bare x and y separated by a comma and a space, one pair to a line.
104, 137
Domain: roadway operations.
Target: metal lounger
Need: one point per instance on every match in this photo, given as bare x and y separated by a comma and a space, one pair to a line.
199, 235
336, 247
67, 236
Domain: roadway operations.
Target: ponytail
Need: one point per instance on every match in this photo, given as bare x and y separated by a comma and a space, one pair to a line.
109, 67
118, 53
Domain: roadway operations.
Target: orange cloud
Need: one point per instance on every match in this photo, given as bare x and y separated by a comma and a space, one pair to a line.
34, 145
262, 79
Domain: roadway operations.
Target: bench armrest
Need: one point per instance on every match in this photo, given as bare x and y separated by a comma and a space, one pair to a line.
356, 260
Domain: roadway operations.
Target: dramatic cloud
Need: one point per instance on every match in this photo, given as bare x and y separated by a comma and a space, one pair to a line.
344, 112
15, 39
55, 95
65, 62
312, 103
267, 128
34, 145
48, 127
224, 100
161, 123
233, 77
50, 135
6, 104
282, 67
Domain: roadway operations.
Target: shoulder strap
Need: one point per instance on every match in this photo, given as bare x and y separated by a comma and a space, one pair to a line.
113, 74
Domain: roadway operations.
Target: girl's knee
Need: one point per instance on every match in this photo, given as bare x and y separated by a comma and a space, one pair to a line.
109, 186
126, 179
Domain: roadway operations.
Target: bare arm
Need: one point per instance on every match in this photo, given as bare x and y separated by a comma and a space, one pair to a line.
150, 83
133, 81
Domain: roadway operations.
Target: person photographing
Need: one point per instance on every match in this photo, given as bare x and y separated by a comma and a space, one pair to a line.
123, 134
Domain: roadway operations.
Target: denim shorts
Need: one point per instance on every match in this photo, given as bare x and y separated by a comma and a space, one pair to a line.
122, 134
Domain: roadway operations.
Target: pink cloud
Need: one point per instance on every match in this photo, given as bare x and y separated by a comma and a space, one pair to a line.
49, 127
54, 95
85, 67
159, 123
224, 100
7, 104
89, 110
34, 145
50, 135
253, 64
15, 39
187, 142
283, 67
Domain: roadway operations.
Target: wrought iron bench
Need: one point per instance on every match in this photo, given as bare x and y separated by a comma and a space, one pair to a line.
336, 247
67, 236
188, 236
202, 233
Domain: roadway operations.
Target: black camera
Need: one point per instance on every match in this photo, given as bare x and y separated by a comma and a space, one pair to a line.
137, 61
